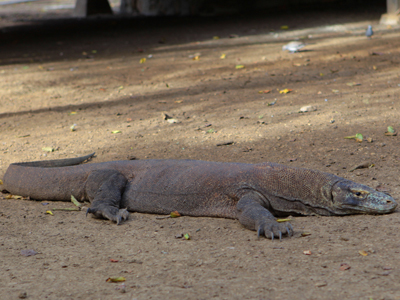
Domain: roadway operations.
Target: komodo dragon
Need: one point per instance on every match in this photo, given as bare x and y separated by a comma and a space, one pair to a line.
253, 193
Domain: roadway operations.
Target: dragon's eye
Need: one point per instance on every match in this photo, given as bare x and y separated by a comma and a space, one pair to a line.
359, 193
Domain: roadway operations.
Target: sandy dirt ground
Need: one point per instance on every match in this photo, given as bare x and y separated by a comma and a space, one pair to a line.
57, 73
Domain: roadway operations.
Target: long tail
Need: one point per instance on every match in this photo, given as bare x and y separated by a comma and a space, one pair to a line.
56, 162
47, 180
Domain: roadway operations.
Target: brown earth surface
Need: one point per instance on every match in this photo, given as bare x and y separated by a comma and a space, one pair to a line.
88, 72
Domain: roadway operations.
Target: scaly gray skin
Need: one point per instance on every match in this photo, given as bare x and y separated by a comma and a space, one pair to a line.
253, 193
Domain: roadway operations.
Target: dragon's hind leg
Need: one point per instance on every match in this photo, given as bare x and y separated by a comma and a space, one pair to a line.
104, 189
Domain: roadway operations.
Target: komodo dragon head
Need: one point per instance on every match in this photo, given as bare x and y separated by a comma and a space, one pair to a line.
352, 198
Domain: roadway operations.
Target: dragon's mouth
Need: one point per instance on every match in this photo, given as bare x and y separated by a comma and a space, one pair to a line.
383, 208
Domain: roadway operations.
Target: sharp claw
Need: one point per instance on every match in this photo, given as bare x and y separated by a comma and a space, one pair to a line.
124, 214
119, 220
280, 236
272, 236
259, 232
288, 231
291, 229
88, 211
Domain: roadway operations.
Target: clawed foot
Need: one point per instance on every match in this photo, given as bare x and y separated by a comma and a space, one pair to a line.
274, 229
111, 213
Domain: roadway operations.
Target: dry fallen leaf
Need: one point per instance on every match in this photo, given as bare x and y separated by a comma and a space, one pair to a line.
283, 220
142, 60
353, 84
16, 197
363, 253
227, 143
48, 149
116, 131
320, 283
239, 66
264, 92
344, 267
186, 236
49, 212
305, 233
285, 91
67, 209
116, 279
114, 260
175, 214
358, 137
307, 252
390, 131
223, 56
74, 201
364, 165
